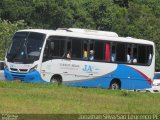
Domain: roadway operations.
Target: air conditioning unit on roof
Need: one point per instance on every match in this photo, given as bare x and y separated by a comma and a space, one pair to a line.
89, 32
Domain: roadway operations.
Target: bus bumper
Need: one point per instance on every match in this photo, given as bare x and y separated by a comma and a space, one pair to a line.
32, 77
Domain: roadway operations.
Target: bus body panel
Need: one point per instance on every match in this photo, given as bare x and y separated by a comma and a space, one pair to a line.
133, 80
93, 74
75, 70
84, 73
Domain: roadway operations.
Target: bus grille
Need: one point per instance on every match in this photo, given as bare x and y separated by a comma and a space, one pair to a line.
14, 69
23, 70
19, 70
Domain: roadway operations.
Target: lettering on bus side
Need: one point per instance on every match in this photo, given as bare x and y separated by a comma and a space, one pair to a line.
89, 68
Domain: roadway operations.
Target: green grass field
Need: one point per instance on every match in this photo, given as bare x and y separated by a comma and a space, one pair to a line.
17, 97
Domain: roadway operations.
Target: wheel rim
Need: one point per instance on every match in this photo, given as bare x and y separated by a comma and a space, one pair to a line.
53, 81
114, 86
56, 81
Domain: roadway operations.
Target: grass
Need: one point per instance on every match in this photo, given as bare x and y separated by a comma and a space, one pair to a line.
17, 97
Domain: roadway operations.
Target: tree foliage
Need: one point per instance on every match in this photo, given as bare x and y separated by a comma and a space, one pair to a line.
6, 31
134, 18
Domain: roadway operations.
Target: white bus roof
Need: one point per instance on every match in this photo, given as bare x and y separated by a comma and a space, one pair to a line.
89, 34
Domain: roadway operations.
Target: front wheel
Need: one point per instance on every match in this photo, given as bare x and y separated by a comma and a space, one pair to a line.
56, 80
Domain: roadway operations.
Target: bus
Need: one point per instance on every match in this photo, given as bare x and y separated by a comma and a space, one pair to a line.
80, 57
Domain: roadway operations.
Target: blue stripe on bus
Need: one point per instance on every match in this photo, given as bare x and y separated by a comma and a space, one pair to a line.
32, 77
129, 77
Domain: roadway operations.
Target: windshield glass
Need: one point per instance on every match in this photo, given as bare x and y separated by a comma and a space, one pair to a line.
25, 47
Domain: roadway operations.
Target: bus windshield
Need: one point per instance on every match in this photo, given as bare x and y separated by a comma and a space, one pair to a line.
25, 47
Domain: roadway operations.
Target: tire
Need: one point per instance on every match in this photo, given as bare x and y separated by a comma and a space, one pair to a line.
56, 80
115, 85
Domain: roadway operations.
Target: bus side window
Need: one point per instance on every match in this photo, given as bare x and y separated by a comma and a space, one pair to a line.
76, 48
142, 54
149, 54
134, 54
91, 51
69, 51
55, 47
85, 49
129, 53
99, 50
113, 54
121, 52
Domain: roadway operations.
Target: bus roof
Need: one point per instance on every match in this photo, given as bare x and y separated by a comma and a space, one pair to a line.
89, 34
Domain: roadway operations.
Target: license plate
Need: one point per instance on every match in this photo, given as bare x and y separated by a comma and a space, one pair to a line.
17, 80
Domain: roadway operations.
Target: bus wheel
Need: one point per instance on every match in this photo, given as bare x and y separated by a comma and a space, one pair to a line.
57, 79
115, 84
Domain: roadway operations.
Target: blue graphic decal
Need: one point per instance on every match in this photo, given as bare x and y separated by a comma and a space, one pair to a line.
33, 77
129, 77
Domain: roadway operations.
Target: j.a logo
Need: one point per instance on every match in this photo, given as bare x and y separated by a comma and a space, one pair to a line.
87, 68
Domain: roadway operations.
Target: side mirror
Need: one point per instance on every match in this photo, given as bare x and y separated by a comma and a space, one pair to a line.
1, 65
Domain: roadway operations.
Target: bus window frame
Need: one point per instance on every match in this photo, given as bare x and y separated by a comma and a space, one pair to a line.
111, 43
139, 64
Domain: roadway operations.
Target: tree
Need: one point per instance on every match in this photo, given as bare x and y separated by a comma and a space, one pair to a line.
6, 32
141, 19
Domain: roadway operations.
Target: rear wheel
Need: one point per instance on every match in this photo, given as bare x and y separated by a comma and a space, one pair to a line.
115, 85
57, 80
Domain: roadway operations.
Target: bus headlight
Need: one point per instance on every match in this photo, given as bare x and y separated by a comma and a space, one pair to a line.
33, 68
